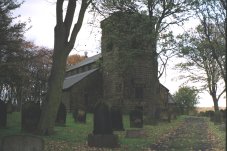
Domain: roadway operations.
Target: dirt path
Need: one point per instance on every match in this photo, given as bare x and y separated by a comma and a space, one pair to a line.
192, 135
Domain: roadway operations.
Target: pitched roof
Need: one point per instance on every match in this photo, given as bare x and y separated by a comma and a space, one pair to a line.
85, 62
70, 81
170, 99
164, 87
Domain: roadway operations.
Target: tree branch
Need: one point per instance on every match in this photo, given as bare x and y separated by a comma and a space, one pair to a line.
223, 2
163, 67
59, 12
78, 25
221, 93
69, 16
207, 34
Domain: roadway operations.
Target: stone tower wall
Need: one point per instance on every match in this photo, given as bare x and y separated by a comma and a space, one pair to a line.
126, 60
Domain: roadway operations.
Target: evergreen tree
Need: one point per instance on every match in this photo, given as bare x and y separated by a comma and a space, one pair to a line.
11, 52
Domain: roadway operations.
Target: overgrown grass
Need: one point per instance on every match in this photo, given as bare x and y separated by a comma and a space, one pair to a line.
153, 134
219, 132
73, 132
73, 136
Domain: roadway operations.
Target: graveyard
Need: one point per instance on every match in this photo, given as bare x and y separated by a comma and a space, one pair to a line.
111, 101
73, 136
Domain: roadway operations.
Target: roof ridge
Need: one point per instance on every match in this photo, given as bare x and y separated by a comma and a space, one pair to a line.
85, 61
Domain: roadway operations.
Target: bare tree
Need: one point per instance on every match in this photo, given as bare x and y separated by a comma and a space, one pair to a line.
214, 12
200, 65
64, 40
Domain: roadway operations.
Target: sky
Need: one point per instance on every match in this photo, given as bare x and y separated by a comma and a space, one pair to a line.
40, 15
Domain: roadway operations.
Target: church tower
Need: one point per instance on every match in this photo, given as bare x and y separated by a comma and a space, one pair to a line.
126, 60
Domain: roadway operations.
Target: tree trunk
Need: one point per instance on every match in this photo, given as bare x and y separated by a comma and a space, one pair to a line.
55, 84
217, 113
63, 44
50, 107
215, 101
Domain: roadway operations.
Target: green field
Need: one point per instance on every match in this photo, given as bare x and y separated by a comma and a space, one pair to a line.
73, 136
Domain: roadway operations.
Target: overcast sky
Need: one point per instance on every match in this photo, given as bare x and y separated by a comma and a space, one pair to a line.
41, 14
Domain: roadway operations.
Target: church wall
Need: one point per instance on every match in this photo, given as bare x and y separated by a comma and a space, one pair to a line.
84, 94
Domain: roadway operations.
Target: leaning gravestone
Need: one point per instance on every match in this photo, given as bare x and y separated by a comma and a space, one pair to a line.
102, 134
31, 112
116, 119
136, 118
3, 114
22, 143
61, 115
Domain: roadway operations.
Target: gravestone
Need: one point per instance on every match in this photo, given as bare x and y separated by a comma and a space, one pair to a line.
209, 113
3, 114
136, 117
102, 134
102, 119
75, 113
116, 119
79, 115
31, 113
9, 107
223, 115
22, 143
217, 118
61, 115
165, 115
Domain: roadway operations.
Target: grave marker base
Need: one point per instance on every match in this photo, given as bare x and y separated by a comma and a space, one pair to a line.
22, 143
106, 141
137, 133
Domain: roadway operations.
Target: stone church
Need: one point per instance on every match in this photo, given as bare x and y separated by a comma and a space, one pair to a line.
121, 74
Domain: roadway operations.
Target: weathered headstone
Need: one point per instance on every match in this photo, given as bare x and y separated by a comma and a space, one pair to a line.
9, 107
3, 114
79, 115
116, 119
167, 114
22, 143
223, 115
209, 113
102, 134
217, 118
75, 113
61, 115
102, 119
31, 112
136, 118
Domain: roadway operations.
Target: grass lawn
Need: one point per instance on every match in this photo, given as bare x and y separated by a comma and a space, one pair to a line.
73, 137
